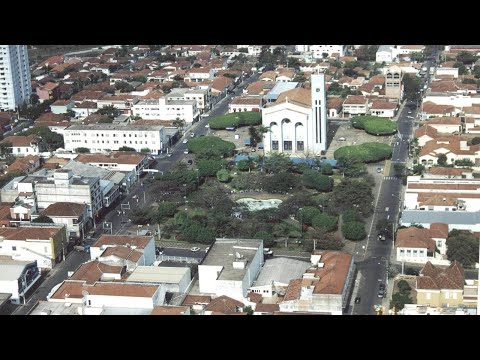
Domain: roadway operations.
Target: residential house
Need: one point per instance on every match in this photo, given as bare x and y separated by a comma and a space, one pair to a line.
244, 103
334, 106
73, 215
45, 245
26, 165
145, 245
62, 106
197, 303
200, 74
431, 110
268, 76
84, 109
383, 109
114, 298
318, 51
421, 245
438, 287
49, 91
24, 145
93, 271
452, 147
224, 305
355, 105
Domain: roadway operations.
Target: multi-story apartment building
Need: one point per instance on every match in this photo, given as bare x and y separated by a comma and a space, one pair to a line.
15, 85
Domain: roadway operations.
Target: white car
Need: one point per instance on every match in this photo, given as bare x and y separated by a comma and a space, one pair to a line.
185, 141
185, 152
195, 249
207, 126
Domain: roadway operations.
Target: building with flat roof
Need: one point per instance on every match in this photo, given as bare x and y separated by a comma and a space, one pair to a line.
15, 84
173, 279
167, 109
17, 277
276, 274
230, 267
111, 137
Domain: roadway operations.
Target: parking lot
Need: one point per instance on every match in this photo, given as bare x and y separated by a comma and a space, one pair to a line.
343, 130
242, 133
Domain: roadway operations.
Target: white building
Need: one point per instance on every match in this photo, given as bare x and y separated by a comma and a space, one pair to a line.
24, 145
167, 109
458, 101
230, 267
298, 120
73, 216
108, 137
323, 289
173, 279
16, 278
276, 274
15, 85
385, 54
419, 245
132, 164
61, 187
201, 95
446, 71
143, 244
302, 48
101, 295
319, 50
45, 245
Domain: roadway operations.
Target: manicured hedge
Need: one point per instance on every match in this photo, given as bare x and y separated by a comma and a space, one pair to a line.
238, 119
214, 143
375, 125
366, 153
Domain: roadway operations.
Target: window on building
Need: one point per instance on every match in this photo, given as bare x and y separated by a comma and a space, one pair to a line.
300, 146
14, 248
274, 145
402, 252
415, 253
409, 252
287, 145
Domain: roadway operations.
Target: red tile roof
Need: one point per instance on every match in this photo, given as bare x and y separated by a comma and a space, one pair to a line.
122, 252
19, 140
92, 271
135, 241
435, 278
169, 310
413, 237
24, 233
196, 299
267, 308
66, 209
224, 305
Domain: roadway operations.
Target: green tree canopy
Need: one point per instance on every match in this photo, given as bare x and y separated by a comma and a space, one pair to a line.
224, 148
353, 193
43, 219
166, 210
209, 167
281, 182
52, 139
314, 180
326, 222
462, 246
307, 214
354, 230
82, 150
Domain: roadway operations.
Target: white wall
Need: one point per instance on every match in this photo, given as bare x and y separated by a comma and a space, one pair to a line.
41, 251
119, 301
408, 254
207, 278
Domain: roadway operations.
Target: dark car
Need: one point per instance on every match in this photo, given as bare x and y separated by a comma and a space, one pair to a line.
190, 162
358, 299
159, 250
382, 287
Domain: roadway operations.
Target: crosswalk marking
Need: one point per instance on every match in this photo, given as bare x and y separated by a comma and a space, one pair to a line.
390, 178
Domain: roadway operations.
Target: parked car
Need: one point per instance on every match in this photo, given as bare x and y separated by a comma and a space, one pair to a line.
185, 141
267, 251
190, 162
358, 299
381, 293
382, 287
195, 249
379, 169
192, 135
207, 126
342, 139
185, 152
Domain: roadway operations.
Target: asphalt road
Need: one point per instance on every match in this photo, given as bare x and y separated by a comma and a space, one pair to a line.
373, 269
53, 278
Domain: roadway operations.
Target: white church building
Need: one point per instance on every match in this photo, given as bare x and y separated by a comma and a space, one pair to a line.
298, 121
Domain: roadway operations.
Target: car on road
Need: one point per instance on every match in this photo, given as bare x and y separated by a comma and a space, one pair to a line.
382, 237
205, 115
185, 152
253, 150
195, 249
382, 287
342, 139
267, 251
358, 299
207, 248
381, 293
409, 112
185, 141
207, 126
192, 135
159, 250
190, 162
379, 170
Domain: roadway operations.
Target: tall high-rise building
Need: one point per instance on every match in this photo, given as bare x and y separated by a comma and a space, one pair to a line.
15, 84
